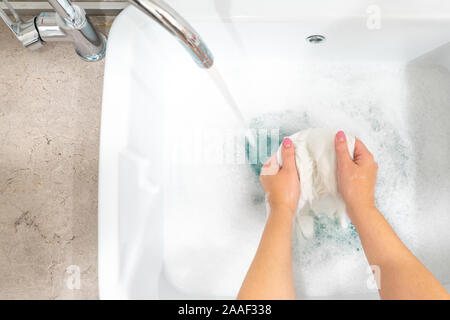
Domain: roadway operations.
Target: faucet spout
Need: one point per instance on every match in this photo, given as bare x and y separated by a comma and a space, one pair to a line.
177, 26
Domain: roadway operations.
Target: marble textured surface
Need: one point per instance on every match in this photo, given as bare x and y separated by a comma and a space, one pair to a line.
50, 103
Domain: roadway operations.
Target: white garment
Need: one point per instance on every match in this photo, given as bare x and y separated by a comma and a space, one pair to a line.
315, 157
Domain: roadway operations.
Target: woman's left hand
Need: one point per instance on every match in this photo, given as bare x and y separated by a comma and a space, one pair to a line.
271, 274
282, 187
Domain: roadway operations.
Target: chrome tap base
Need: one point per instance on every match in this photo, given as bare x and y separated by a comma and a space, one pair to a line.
68, 23
95, 57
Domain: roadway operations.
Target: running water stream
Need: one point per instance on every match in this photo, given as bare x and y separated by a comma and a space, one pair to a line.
223, 88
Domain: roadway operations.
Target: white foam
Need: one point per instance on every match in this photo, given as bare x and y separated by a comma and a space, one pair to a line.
215, 213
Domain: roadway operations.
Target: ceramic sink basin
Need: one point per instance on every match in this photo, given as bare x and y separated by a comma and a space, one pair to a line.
177, 220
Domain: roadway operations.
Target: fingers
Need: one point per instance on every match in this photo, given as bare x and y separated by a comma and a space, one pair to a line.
271, 167
288, 154
362, 154
342, 153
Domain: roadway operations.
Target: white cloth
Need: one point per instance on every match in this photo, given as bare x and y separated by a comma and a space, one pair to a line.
316, 161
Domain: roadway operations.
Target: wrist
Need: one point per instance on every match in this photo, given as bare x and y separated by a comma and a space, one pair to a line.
282, 212
361, 210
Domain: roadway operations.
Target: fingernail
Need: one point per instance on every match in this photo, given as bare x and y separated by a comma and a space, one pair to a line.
340, 136
287, 143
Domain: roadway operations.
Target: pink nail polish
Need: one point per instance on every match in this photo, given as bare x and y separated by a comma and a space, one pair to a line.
287, 143
340, 136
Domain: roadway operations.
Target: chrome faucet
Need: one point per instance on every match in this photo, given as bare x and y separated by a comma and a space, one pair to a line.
68, 23
180, 28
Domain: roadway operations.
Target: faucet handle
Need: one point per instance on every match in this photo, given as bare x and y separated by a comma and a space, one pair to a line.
25, 31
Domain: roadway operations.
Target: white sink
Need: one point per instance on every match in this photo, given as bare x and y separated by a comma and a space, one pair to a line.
172, 225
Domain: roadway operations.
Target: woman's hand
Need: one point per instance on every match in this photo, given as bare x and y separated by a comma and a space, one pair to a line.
271, 274
400, 274
282, 185
357, 177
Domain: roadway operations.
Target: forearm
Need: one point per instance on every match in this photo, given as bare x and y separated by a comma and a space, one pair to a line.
403, 276
270, 275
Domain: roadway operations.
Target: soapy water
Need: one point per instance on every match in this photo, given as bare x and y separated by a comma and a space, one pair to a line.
331, 244
215, 217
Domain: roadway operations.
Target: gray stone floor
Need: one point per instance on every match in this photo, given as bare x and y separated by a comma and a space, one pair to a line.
50, 102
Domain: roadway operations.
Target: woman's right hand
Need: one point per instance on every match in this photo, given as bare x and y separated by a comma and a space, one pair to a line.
357, 177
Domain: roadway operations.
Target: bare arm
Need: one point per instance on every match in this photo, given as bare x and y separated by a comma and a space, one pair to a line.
270, 275
403, 276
